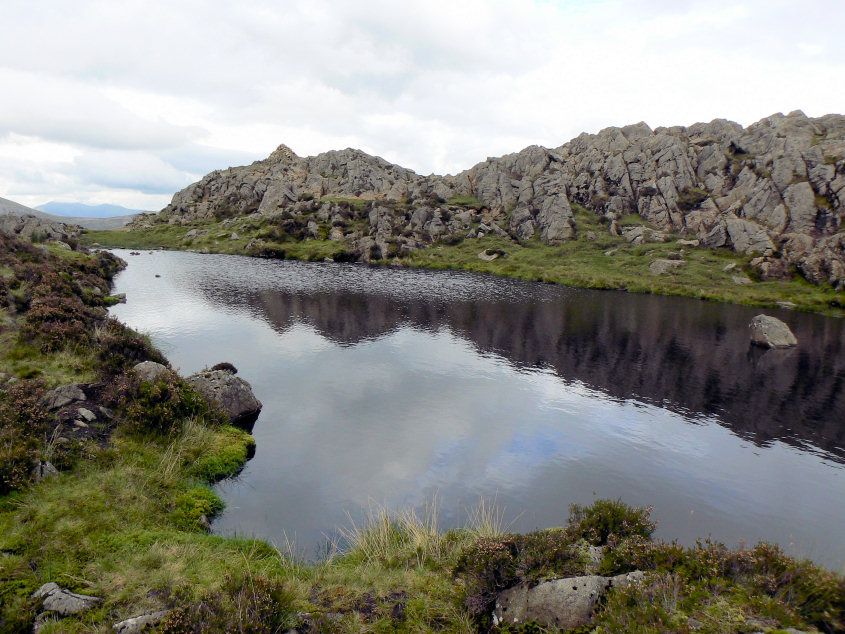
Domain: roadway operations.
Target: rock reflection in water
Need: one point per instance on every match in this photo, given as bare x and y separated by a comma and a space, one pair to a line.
393, 385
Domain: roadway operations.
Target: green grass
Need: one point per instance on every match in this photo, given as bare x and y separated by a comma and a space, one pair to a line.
467, 202
27, 361
577, 262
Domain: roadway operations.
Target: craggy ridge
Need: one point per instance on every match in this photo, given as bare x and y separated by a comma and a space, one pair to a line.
775, 190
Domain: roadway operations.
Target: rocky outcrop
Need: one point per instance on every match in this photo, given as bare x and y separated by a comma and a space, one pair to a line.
775, 189
229, 392
140, 623
771, 332
38, 229
560, 603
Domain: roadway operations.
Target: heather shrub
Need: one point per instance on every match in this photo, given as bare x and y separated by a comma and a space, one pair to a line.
607, 521
23, 428
160, 406
119, 348
244, 603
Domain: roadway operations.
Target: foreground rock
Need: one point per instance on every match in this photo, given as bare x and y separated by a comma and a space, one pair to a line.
771, 332
137, 624
63, 602
561, 603
231, 393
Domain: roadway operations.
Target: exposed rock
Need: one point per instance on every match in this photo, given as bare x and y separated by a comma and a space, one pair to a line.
150, 370
689, 243
34, 228
717, 182
86, 414
741, 280
488, 255
561, 603
63, 602
43, 471
136, 624
661, 266
63, 395
771, 332
229, 392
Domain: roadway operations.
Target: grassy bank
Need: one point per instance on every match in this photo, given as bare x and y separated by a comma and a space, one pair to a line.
125, 519
603, 261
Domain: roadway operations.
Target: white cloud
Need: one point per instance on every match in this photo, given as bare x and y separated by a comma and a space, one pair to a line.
436, 86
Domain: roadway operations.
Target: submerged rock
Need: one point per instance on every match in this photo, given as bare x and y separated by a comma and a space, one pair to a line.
560, 603
229, 392
771, 332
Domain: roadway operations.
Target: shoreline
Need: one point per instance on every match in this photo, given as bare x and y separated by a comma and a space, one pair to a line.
124, 519
709, 275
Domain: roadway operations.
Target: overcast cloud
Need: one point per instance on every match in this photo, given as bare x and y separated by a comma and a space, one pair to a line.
127, 102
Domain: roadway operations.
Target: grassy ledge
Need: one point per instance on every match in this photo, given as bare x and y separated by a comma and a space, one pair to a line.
603, 262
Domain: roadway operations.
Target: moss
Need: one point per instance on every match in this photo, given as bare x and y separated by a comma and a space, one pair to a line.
193, 505
226, 455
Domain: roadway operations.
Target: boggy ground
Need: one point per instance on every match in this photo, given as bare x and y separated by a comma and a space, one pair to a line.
124, 519
596, 259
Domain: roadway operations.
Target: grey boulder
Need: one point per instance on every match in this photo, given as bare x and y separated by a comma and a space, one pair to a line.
63, 602
661, 267
771, 332
63, 395
560, 603
150, 370
230, 393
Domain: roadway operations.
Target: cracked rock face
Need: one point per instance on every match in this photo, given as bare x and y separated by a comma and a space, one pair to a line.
774, 188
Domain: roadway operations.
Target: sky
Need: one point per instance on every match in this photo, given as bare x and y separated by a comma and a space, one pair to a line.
128, 102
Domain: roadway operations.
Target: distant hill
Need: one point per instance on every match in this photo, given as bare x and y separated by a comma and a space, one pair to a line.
81, 210
16, 209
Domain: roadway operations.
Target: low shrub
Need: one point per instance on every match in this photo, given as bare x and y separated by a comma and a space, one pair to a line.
248, 604
607, 521
119, 348
23, 428
160, 406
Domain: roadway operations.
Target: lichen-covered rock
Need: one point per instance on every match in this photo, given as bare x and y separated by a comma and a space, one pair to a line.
661, 266
560, 603
771, 332
150, 370
63, 602
230, 393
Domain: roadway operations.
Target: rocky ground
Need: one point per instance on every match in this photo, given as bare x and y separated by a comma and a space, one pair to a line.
774, 191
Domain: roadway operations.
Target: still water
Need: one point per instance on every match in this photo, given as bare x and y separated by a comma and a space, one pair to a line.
392, 386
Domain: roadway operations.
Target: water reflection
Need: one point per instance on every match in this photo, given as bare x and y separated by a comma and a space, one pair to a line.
393, 385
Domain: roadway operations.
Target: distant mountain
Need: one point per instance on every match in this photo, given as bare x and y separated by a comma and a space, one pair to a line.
81, 210
9, 207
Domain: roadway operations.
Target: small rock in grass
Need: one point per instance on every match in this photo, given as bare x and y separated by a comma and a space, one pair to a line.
660, 266
63, 395
742, 280
43, 471
63, 602
136, 624
729, 267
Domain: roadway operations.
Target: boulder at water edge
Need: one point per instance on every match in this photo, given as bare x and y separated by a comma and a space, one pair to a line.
230, 393
771, 332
